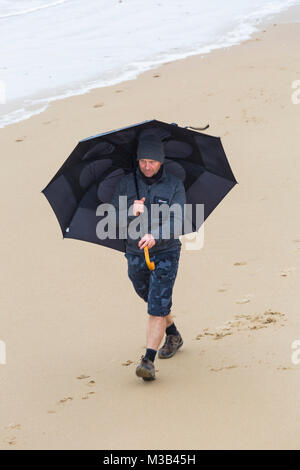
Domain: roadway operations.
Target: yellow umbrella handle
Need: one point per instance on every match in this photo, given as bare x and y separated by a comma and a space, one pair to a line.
150, 264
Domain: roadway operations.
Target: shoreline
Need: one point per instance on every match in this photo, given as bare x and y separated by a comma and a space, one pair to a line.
290, 15
117, 88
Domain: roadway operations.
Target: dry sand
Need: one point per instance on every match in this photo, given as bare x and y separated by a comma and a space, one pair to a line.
74, 328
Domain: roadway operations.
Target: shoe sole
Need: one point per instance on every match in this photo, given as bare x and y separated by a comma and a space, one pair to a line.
144, 374
170, 355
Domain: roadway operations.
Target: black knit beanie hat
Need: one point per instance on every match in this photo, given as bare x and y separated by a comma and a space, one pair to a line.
150, 146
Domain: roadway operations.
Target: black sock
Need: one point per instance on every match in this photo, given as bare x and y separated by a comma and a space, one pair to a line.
172, 330
150, 354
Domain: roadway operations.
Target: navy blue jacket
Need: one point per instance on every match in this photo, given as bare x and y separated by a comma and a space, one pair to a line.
168, 189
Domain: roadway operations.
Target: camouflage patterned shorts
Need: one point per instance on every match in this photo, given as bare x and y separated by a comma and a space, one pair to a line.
154, 287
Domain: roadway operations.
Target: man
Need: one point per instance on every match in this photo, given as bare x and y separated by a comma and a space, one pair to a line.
154, 287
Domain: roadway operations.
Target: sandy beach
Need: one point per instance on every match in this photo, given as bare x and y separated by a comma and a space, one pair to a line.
73, 327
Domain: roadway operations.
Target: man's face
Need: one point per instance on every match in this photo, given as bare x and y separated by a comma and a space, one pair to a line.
149, 167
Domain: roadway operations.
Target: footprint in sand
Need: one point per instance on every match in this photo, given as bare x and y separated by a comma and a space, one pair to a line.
91, 383
82, 376
242, 301
156, 76
119, 91
13, 426
223, 368
257, 321
287, 271
98, 105
64, 400
215, 335
87, 396
127, 363
240, 263
221, 334
245, 299
20, 139
61, 403
224, 287
12, 441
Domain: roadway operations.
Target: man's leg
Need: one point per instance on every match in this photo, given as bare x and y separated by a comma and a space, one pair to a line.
173, 340
160, 302
155, 331
159, 305
156, 328
169, 320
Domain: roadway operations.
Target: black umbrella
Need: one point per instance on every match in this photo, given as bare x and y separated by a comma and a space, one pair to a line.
91, 173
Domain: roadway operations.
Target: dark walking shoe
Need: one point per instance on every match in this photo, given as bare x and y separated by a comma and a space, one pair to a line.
171, 345
145, 369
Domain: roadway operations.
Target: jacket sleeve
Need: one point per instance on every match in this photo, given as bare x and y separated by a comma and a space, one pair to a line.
174, 219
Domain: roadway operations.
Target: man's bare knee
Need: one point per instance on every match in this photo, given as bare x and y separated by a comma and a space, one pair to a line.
157, 319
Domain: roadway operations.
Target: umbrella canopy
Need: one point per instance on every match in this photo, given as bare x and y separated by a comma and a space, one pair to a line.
91, 173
